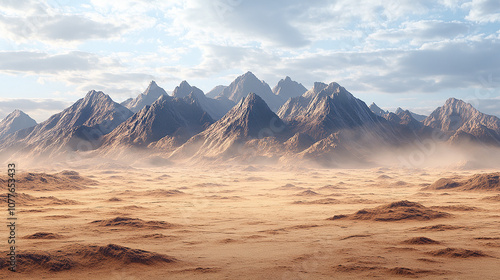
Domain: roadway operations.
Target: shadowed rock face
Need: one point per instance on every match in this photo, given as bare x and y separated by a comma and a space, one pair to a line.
416, 116
464, 123
80, 126
247, 83
216, 108
326, 109
250, 119
377, 110
146, 98
287, 88
167, 116
216, 91
15, 121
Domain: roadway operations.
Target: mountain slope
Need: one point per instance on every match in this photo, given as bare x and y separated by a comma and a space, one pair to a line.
377, 110
247, 83
149, 96
182, 90
287, 88
416, 116
216, 108
250, 119
216, 91
326, 109
462, 122
167, 116
78, 127
17, 120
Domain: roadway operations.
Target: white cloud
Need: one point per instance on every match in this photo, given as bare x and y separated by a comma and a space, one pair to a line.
371, 46
418, 32
44, 63
483, 10
38, 109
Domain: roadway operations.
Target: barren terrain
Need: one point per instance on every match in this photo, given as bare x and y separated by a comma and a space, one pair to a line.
253, 223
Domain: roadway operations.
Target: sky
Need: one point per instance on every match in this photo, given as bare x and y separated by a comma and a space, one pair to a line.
396, 53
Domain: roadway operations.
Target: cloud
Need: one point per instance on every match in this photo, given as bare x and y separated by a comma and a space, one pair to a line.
464, 59
488, 106
369, 46
84, 71
29, 21
38, 109
237, 22
483, 11
44, 63
53, 29
448, 65
421, 31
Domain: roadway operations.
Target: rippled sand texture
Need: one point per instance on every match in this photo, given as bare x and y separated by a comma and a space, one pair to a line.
255, 223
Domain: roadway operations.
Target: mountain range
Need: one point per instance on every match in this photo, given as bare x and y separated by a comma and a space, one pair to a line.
79, 127
246, 121
383, 113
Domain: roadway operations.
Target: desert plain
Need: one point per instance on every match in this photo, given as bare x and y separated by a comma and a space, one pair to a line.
252, 222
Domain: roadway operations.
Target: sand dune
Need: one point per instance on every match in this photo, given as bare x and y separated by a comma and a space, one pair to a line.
79, 256
30, 200
396, 211
64, 180
131, 223
420, 241
457, 253
222, 223
478, 182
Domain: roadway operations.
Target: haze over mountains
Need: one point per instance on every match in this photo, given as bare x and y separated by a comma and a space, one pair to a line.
246, 121
15, 121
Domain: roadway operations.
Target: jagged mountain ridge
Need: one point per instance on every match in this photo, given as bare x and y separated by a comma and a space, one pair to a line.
78, 127
216, 108
326, 109
416, 116
167, 116
377, 110
462, 122
216, 91
250, 119
287, 88
15, 121
323, 124
249, 83
149, 96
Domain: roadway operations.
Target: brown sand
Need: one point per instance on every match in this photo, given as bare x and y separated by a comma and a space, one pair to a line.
177, 222
396, 211
420, 241
477, 182
64, 180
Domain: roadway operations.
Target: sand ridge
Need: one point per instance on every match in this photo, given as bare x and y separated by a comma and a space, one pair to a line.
225, 224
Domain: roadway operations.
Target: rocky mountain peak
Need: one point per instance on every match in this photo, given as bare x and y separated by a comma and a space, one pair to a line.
247, 83
152, 92
377, 110
461, 118
182, 90
15, 121
94, 96
287, 88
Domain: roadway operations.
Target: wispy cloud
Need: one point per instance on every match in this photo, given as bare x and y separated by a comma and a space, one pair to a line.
397, 47
38, 109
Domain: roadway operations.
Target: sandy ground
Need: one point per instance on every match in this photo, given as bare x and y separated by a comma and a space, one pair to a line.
254, 223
